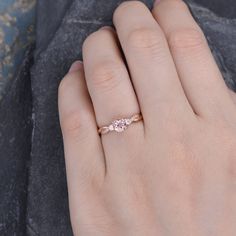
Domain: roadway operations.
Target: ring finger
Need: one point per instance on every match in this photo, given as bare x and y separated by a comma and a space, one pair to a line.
110, 89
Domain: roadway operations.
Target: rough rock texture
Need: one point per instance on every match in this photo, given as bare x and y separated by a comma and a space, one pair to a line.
40, 166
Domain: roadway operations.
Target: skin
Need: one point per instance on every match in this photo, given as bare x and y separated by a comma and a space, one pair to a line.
174, 173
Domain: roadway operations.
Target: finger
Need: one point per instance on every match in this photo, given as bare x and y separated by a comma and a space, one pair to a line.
150, 63
110, 87
197, 69
83, 150
233, 95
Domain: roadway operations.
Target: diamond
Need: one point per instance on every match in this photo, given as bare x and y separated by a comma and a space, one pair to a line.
121, 125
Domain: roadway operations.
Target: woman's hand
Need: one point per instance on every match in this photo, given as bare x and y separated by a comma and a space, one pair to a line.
174, 173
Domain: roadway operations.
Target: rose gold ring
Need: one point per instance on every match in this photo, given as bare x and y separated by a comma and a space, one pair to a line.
120, 125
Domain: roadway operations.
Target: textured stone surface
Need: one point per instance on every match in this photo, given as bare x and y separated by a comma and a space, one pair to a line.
46, 196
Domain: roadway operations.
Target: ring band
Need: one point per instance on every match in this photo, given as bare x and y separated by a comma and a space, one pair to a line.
120, 125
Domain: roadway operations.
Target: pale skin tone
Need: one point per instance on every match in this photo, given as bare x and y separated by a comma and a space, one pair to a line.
174, 173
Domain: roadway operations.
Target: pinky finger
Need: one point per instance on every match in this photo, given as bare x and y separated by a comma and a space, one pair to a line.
85, 165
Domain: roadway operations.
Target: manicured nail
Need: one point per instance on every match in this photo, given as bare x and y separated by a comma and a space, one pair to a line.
156, 2
77, 65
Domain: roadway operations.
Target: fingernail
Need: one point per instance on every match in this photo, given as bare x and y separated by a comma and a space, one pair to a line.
77, 65
156, 2
107, 27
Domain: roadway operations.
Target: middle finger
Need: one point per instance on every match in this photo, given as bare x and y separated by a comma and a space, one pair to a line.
150, 63
111, 90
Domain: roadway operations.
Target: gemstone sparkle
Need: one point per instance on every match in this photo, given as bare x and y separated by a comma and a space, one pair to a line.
121, 125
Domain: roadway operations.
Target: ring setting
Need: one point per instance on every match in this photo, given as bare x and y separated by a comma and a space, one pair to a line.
120, 125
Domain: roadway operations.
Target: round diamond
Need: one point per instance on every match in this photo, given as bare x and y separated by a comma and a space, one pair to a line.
120, 125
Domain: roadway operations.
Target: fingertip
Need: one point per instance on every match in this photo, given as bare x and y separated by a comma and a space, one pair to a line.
156, 2
76, 66
71, 82
107, 28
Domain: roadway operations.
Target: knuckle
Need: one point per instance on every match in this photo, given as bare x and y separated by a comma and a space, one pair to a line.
125, 7
75, 125
146, 40
186, 39
106, 75
143, 38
